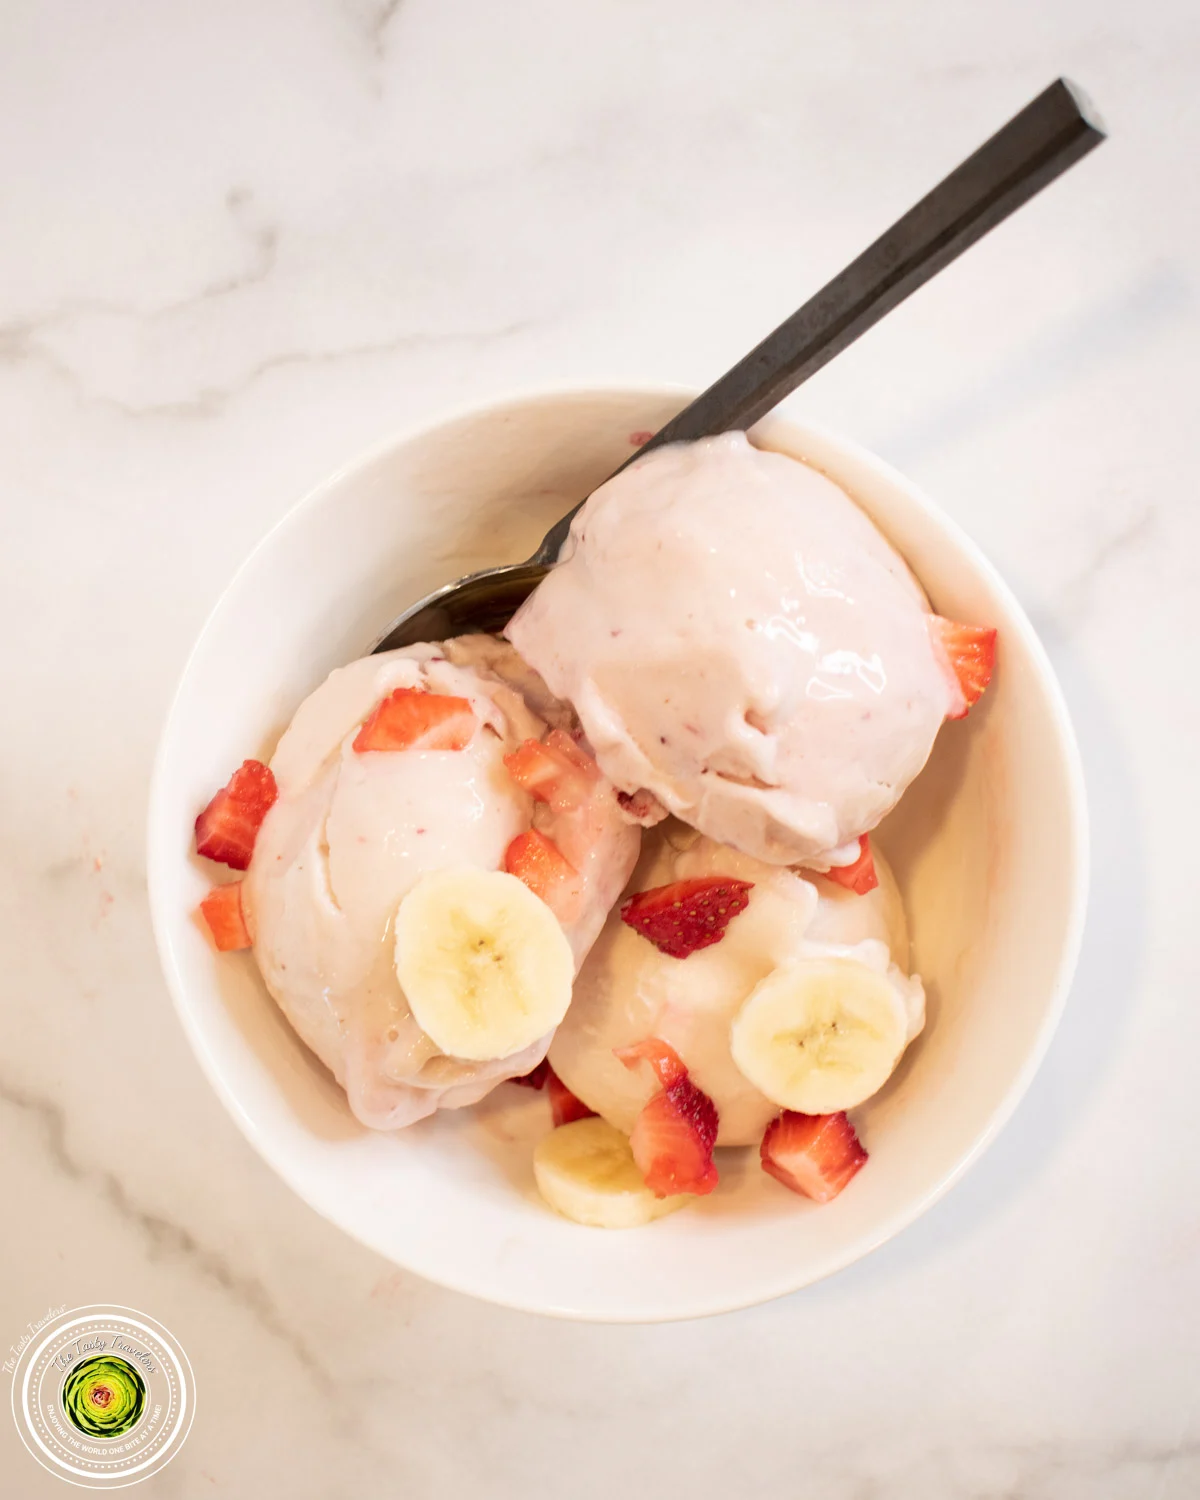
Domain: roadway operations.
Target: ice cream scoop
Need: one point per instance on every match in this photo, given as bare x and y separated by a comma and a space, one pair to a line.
628, 990
740, 640
355, 829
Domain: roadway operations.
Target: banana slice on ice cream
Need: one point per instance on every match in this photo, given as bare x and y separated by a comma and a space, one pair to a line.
482, 961
820, 1035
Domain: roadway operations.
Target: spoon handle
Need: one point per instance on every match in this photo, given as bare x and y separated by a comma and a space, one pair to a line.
1036, 146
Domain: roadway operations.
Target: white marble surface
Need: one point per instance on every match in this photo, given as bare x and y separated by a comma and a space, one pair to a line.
243, 240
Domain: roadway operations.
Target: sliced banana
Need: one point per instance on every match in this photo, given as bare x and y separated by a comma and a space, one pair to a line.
820, 1035
586, 1171
482, 961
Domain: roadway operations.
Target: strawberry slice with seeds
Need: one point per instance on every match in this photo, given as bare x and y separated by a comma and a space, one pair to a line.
554, 770
411, 719
228, 826
860, 877
535, 1079
814, 1155
673, 1137
539, 862
564, 1106
970, 653
688, 914
672, 1141
222, 910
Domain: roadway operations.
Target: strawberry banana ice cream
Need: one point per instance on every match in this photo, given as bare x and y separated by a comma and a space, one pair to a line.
435, 856
644, 979
739, 640
399, 777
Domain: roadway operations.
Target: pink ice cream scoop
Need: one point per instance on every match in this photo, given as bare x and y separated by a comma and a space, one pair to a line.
739, 640
352, 833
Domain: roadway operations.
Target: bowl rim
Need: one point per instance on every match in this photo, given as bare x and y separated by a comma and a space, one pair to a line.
1069, 949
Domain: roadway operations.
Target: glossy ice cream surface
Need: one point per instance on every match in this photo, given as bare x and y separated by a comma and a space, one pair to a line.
349, 836
628, 990
741, 641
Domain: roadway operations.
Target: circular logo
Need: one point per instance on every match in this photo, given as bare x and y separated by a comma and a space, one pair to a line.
103, 1396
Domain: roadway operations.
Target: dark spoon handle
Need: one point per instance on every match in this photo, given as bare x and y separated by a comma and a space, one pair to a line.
1043, 140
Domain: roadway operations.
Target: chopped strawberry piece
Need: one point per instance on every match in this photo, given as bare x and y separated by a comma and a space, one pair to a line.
970, 651
537, 860
228, 826
536, 1078
673, 1137
815, 1155
564, 1106
661, 1056
222, 910
410, 719
688, 914
536, 768
554, 770
860, 877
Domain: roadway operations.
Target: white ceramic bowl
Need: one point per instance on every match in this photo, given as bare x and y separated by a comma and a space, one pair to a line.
989, 846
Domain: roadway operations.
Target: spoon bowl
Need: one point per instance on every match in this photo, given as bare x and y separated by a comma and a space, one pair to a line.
484, 601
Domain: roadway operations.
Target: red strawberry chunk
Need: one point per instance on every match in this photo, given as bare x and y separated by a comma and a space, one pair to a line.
860, 877
970, 651
673, 1137
661, 1056
554, 770
688, 914
564, 1106
410, 719
228, 826
537, 769
538, 861
536, 1078
672, 1141
222, 910
815, 1155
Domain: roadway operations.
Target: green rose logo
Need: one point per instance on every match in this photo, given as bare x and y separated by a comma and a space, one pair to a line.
104, 1397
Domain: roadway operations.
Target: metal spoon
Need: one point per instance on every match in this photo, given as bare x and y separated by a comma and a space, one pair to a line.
1036, 146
